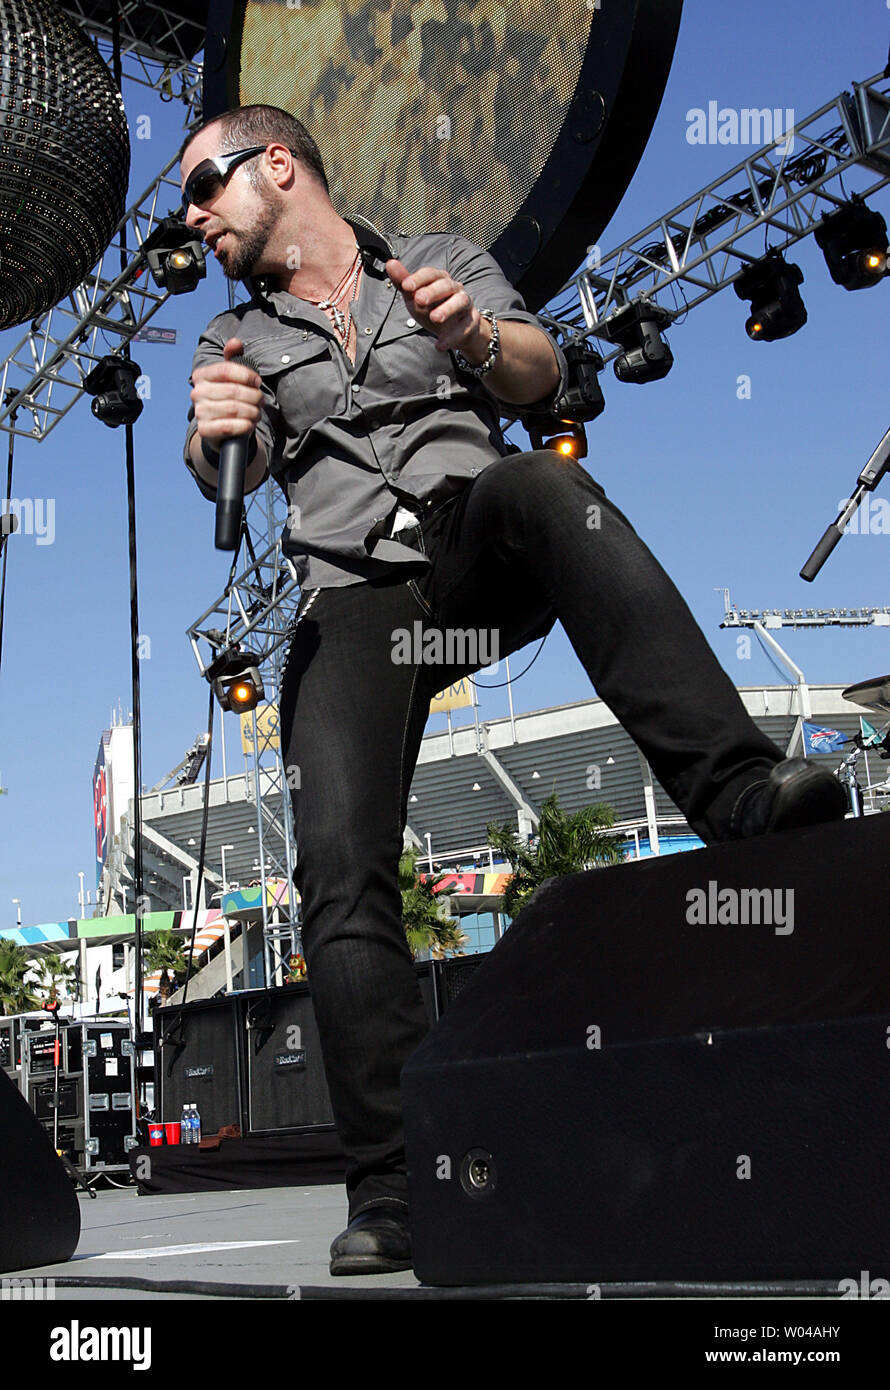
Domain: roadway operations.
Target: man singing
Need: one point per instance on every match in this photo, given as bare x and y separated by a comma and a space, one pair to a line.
382, 363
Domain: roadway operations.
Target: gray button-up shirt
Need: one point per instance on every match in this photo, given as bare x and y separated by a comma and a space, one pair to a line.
403, 427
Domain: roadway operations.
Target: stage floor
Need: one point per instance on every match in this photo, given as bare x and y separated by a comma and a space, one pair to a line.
272, 1244
271, 1239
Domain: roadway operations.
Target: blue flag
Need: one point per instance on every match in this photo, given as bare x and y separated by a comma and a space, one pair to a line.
819, 740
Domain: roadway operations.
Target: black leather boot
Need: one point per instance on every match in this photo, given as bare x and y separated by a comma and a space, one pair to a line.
376, 1241
796, 793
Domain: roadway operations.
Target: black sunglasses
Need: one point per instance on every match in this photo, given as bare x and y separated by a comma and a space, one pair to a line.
208, 177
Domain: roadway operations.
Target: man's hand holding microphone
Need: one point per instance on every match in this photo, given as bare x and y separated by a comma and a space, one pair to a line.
228, 400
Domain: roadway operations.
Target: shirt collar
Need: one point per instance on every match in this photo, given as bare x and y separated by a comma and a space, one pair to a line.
374, 245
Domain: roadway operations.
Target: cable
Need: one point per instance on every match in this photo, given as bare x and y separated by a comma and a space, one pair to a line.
177, 1024
4, 540
767, 653
138, 944
513, 679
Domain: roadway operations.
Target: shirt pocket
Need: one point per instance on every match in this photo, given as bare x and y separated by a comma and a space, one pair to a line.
306, 383
406, 354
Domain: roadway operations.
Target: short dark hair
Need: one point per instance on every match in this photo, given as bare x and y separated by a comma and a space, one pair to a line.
243, 126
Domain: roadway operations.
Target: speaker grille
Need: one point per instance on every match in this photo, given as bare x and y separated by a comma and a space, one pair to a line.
460, 103
518, 125
64, 157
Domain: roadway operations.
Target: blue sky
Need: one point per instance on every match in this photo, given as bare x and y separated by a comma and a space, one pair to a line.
727, 493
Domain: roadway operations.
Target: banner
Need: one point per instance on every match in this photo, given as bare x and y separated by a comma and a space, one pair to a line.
267, 729
151, 334
453, 697
112, 788
100, 805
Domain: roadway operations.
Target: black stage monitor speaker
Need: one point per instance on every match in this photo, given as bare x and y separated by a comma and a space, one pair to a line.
286, 1086
39, 1211
198, 1059
287, 1089
253, 1059
670, 1070
452, 977
517, 126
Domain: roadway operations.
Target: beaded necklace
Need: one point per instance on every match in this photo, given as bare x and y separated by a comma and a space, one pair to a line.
349, 281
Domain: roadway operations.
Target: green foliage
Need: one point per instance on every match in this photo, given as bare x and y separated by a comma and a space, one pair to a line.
16, 997
55, 976
426, 914
565, 844
167, 952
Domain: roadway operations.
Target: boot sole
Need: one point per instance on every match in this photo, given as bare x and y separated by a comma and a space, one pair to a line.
368, 1264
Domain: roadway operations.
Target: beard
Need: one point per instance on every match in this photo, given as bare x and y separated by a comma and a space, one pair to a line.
245, 248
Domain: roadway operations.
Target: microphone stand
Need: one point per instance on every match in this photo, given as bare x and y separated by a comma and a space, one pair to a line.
867, 481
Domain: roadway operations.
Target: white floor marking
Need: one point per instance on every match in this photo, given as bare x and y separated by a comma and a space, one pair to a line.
202, 1249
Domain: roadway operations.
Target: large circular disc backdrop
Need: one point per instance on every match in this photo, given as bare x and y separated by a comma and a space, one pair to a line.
518, 125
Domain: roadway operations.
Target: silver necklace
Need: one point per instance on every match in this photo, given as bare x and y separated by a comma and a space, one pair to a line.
343, 323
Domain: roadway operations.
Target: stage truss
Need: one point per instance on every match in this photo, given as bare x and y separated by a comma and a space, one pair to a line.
692, 252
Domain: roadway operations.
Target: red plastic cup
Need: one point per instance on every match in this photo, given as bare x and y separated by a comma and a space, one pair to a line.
172, 1128
155, 1135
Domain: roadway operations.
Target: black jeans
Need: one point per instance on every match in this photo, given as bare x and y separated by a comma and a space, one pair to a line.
531, 539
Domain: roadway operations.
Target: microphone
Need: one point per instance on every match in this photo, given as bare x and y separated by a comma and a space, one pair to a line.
868, 479
230, 484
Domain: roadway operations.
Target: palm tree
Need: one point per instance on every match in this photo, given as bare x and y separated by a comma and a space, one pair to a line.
53, 972
166, 952
564, 845
425, 913
16, 996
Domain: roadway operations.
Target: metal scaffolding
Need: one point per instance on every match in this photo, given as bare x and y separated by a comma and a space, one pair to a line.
255, 614
778, 194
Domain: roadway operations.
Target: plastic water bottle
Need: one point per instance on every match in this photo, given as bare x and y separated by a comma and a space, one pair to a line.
196, 1125
185, 1128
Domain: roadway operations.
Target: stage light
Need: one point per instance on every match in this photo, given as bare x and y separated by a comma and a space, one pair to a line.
9, 524
175, 256
112, 383
853, 241
243, 695
572, 444
236, 681
777, 309
583, 397
637, 328
581, 400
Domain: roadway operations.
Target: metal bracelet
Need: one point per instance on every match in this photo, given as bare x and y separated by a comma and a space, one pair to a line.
494, 347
